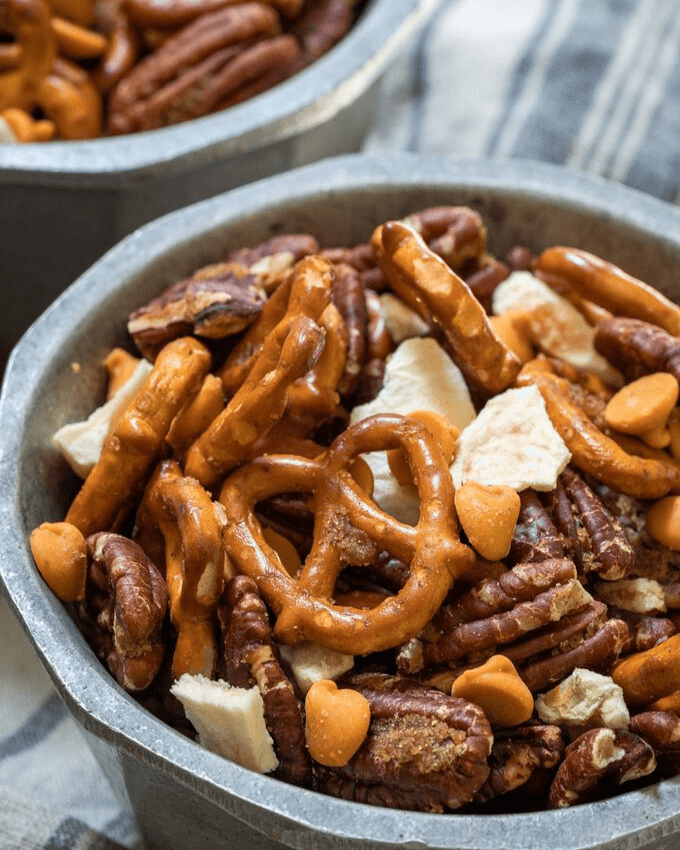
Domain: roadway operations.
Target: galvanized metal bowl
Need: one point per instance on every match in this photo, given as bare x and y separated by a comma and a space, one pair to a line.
185, 797
63, 204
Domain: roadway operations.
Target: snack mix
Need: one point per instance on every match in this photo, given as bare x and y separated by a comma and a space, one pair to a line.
396, 522
80, 69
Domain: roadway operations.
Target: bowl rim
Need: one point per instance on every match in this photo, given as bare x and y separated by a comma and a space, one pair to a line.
111, 715
301, 103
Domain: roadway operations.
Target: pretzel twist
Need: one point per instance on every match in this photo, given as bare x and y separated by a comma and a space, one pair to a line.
350, 529
195, 564
42, 79
593, 452
29, 22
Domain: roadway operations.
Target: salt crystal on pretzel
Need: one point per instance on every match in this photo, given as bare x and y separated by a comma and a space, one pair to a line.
419, 375
229, 721
81, 442
556, 326
513, 442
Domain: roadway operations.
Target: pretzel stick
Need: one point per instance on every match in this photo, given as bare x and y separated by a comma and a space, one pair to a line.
132, 447
607, 285
304, 292
436, 292
194, 565
258, 405
593, 451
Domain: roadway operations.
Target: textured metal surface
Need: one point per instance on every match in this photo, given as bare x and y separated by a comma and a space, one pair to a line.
187, 798
63, 204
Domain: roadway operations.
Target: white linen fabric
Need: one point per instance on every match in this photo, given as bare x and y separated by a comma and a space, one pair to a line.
590, 84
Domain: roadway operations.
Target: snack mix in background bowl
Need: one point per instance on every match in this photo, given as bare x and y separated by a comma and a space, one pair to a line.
363, 486
77, 69
267, 86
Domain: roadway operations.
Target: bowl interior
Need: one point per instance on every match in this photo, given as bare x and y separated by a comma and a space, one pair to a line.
55, 374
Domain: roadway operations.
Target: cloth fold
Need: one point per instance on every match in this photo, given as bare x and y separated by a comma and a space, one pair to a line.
593, 85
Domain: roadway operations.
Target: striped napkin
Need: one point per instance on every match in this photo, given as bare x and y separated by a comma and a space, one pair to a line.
591, 84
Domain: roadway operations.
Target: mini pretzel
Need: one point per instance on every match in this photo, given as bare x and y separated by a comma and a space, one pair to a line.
77, 42
436, 292
29, 22
305, 292
26, 128
607, 285
258, 405
132, 447
194, 565
593, 451
68, 97
349, 529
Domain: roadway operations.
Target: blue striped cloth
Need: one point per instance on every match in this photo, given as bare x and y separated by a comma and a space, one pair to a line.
591, 84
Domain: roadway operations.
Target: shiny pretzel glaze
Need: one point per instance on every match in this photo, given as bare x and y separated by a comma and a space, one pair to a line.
437, 664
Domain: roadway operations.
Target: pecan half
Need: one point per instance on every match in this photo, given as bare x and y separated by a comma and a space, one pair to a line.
424, 750
536, 537
597, 760
251, 658
538, 615
497, 612
605, 548
169, 85
378, 345
214, 302
517, 754
456, 234
270, 260
637, 348
321, 25
130, 601
350, 299
661, 730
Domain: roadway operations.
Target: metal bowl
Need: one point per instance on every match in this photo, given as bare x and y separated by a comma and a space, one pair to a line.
65, 203
185, 797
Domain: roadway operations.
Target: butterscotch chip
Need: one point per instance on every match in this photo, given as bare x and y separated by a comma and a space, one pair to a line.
337, 722
61, 557
488, 514
663, 522
642, 405
496, 688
